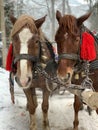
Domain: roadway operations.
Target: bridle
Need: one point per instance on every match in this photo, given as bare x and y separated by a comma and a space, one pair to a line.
73, 56
34, 59
25, 57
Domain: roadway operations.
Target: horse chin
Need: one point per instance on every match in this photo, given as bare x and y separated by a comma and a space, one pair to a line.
26, 87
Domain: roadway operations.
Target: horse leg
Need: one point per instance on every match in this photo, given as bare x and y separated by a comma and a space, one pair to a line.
45, 106
77, 105
31, 105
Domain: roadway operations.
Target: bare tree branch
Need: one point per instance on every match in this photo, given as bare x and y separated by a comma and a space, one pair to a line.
48, 10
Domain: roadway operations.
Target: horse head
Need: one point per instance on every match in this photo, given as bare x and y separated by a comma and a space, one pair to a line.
26, 35
68, 38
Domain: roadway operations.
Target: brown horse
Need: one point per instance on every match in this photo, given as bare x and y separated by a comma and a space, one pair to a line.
31, 50
68, 38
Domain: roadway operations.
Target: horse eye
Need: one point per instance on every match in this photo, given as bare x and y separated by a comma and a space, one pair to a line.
37, 41
77, 39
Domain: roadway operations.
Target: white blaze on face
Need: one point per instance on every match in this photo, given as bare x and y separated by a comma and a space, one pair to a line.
24, 36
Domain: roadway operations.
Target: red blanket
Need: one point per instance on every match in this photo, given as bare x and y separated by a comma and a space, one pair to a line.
88, 51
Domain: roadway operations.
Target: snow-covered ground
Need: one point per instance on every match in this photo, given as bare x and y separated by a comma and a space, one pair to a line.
61, 114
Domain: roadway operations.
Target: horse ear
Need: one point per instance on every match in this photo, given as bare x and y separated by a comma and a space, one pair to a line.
40, 21
13, 19
81, 19
58, 16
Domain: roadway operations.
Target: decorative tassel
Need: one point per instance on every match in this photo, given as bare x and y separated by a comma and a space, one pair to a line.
9, 58
88, 51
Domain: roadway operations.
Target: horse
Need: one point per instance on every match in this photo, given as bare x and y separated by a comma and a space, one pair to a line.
69, 38
32, 53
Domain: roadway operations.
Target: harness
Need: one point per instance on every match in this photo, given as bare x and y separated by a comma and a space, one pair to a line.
36, 60
51, 65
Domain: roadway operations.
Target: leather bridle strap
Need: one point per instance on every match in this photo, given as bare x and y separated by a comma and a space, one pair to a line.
25, 57
71, 56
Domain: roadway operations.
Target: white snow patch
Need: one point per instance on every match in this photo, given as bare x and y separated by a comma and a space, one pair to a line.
61, 114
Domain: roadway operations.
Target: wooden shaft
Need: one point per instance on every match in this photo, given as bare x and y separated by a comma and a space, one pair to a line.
88, 96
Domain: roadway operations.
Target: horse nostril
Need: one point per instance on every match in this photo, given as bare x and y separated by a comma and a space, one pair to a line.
23, 82
29, 79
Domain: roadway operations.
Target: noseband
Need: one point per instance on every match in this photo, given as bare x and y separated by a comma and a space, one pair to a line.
25, 57
71, 56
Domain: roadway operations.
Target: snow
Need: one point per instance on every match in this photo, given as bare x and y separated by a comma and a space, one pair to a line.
61, 114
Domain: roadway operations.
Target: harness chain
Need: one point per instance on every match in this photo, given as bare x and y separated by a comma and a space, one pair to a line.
55, 80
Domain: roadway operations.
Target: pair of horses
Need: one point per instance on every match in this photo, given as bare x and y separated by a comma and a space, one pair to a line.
33, 53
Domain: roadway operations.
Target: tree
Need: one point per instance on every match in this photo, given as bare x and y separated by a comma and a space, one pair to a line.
63, 7
9, 9
2, 28
53, 18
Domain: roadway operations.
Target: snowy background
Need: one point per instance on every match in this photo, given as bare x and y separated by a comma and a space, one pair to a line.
39, 8
61, 114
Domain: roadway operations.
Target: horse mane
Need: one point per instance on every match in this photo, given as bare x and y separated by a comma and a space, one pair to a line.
22, 21
69, 24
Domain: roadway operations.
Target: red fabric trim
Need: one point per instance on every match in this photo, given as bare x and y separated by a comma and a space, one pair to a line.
9, 58
88, 51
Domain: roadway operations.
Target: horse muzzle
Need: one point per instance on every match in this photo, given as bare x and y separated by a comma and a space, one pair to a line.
66, 78
24, 82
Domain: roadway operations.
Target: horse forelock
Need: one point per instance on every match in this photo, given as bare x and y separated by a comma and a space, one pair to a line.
24, 21
69, 24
